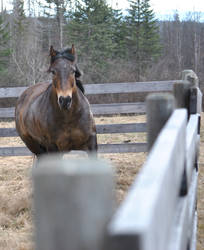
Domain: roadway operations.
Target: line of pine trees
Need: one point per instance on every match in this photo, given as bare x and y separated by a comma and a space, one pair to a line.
105, 38
112, 45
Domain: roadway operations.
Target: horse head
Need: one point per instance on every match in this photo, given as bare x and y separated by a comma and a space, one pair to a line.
65, 71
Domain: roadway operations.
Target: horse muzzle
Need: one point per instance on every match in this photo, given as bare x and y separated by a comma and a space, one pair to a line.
65, 102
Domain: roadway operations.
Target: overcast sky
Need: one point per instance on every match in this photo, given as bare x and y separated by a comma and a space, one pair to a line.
166, 5
164, 9
180, 5
160, 7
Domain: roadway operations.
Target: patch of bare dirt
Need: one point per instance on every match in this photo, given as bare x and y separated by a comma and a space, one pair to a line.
15, 203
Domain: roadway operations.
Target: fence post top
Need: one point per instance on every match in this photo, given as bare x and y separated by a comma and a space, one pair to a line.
190, 76
160, 96
55, 164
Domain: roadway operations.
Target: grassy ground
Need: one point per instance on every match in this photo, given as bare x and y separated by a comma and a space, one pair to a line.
16, 192
15, 204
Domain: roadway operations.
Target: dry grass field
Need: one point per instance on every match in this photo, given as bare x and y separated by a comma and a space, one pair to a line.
16, 189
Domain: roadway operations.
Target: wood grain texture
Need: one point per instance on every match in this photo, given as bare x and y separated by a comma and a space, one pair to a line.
190, 76
146, 222
100, 129
193, 245
192, 146
97, 109
8, 132
7, 112
14, 92
179, 231
105, 88
15, 151
192, 204
122, 148
183, 231
118, 108
73, 202
181, 93
102, 148
159, 109
121, 128
195, 101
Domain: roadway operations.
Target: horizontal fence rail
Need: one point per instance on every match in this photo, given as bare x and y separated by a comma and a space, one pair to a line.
106, 88
183, 229
102, 148
97, 109
159, 211
100, 129
131, 87
118, 108
193, 139
139, 221
164, 219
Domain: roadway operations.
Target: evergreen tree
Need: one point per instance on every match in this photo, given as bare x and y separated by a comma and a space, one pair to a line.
27, 57
151, 41
143, 35
60, 8
18, 15
4, 47
134, 31
18, 25
119, 34
91, 29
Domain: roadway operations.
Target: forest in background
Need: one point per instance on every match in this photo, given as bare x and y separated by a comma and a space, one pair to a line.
112, 45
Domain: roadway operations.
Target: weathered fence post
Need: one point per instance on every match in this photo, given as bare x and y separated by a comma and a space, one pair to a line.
73, 202
181, 91
182, 94
195, 100
187, 93
145, 218
159, 109
190, 76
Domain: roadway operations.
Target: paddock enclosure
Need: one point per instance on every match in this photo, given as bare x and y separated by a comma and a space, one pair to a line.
98, 110
169, 207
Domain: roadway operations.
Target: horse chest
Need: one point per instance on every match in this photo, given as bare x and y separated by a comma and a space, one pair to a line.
71, 139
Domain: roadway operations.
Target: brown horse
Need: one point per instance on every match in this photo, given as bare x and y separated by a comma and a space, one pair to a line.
56, 117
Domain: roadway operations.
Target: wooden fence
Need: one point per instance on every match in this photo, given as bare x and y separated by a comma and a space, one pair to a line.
74, 199
7, 94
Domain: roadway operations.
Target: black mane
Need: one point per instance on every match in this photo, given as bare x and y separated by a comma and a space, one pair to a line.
80, 85
66, 53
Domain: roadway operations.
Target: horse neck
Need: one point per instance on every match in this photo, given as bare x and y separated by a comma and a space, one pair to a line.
53, 98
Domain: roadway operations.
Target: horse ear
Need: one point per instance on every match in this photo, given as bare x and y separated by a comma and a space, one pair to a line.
52, 51
73, 50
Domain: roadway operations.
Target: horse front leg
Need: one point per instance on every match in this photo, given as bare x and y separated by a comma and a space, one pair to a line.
92, 146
